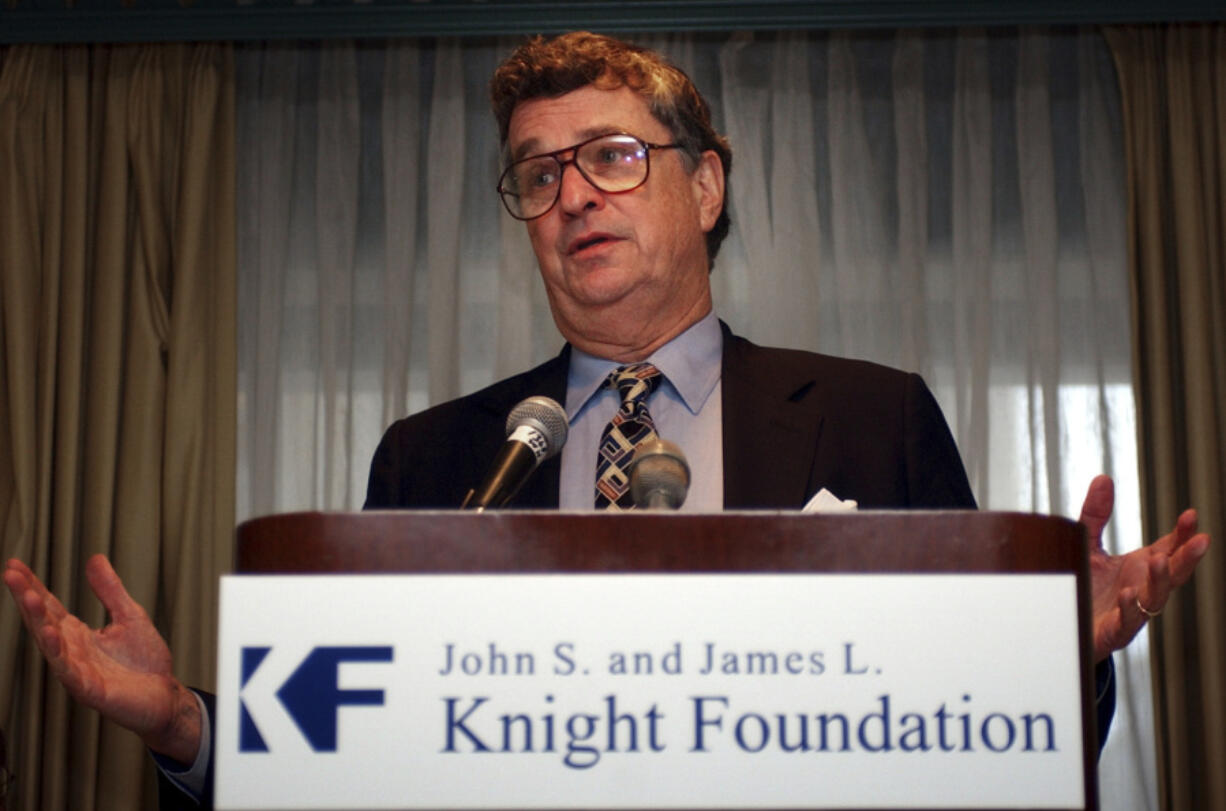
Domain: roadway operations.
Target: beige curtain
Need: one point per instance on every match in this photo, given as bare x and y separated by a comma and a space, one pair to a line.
1173, 83
117, 375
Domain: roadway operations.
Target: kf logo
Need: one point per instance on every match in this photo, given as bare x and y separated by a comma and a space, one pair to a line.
310, 695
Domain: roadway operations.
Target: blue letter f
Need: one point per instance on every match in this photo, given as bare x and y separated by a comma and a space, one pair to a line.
313, 699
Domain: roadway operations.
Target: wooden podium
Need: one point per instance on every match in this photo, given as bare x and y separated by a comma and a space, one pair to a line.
511, 542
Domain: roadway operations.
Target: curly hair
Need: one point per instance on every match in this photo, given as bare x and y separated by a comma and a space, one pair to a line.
548, 68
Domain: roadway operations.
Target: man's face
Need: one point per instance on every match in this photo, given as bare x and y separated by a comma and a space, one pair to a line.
624, 272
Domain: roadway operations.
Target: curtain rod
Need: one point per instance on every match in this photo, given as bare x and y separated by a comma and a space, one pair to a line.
241, 20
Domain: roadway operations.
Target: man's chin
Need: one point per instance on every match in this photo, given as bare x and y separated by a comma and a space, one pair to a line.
600, 287
599, 313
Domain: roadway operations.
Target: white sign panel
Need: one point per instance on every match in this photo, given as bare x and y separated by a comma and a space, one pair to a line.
649, 691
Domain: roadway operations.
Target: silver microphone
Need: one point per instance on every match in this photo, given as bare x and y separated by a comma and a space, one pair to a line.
536, 430
659, 476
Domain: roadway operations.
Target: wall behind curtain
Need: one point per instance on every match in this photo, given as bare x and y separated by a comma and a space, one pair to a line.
945, 202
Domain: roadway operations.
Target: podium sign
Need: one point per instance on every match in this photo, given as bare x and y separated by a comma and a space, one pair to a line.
650, 690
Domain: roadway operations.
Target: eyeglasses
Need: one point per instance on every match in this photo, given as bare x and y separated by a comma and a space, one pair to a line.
612, 163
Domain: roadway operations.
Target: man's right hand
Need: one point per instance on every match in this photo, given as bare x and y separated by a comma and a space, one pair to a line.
123, 670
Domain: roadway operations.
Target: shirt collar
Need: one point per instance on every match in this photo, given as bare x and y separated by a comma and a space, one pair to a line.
691, 365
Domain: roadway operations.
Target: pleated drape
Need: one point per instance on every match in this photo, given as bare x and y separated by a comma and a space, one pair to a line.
117, 375
1173, 81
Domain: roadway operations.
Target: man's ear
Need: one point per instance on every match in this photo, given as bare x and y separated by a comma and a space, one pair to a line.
707, 182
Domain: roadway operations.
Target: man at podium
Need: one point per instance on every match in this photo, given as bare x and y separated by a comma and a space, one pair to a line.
613, 165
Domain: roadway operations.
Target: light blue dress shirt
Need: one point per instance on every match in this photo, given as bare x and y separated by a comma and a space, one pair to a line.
686, 408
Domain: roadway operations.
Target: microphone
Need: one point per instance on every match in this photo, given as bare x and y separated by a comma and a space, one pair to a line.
536, 430
659, 476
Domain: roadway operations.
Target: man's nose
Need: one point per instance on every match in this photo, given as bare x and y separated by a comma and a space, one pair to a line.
576, 194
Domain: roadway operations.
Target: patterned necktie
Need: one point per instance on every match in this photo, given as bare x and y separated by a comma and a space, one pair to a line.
630, 427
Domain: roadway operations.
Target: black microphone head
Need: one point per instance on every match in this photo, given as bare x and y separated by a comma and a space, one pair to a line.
546, 416
659, 476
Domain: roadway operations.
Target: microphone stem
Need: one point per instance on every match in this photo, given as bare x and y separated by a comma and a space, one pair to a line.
659, 499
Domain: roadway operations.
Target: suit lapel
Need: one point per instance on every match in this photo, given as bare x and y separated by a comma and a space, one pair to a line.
770, 431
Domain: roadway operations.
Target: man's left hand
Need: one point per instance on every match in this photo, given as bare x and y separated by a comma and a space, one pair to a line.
1129, 589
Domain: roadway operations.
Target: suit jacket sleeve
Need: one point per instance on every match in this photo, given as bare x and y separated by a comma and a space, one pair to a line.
173, 798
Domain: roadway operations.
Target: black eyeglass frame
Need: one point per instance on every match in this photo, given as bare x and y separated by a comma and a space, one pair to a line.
503, 192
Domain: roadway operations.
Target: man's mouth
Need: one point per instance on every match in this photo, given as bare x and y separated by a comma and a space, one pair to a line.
586, 241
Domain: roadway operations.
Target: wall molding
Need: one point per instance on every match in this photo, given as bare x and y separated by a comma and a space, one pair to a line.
239, 20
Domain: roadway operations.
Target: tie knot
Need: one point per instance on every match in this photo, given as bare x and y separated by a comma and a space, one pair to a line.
635, 382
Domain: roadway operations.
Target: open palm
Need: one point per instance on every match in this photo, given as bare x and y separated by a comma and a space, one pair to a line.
123, 670
1128, 589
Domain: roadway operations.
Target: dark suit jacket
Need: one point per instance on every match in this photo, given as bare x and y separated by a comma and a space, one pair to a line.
793, 422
